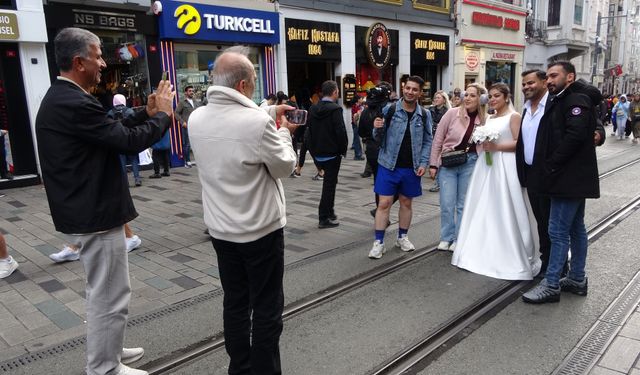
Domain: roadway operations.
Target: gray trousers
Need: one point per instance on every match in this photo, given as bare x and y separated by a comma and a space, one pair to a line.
108, 291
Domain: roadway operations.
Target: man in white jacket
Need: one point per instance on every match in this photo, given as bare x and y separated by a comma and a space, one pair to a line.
241, 158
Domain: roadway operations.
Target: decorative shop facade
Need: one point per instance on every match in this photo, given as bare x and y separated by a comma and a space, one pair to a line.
192, 35
23, 82
491, 47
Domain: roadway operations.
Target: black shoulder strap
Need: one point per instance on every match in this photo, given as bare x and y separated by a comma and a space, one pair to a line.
390, 112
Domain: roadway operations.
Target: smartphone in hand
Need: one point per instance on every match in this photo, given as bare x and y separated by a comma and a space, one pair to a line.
296, 116
165, 75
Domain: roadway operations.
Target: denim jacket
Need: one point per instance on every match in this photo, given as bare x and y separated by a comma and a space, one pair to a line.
391, 137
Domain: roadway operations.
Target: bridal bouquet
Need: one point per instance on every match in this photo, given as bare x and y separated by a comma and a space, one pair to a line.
483, 134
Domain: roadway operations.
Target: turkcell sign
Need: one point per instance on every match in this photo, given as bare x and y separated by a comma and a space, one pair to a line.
210, 23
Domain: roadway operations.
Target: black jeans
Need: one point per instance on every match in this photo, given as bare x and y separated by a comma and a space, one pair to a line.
251, 275
160, 156
541, 207
186, 145
331, 169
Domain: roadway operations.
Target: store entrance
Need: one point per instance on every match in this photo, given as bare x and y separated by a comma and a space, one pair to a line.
430, 75
17, 158
305, 79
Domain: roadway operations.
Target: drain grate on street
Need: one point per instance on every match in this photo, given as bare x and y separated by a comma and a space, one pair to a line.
73, 344
582, 359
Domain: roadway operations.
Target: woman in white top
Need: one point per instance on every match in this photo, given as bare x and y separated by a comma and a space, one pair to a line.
496, 237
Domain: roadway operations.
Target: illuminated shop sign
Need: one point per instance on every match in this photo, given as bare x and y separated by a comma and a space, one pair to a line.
492, 20
312, 40
200, 22
92, 19
429, 49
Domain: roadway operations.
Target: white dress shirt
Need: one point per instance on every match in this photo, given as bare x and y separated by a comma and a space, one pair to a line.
530, 124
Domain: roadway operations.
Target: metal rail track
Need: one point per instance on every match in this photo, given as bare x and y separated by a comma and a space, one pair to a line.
420, 351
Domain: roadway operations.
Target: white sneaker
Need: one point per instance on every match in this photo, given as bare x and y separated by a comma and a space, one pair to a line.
377, 250
444, 245
7, 268
133, 243
126, 370
452, 247
67, 254
404, 244
130, 355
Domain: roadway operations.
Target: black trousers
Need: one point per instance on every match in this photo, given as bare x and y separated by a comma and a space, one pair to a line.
251, 275
160, 156
4, 170
541, 207
331, 169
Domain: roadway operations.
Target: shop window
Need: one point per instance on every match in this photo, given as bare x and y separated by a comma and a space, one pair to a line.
441, 6
194, 64
554, 13
500, 72
577, 12
7, 4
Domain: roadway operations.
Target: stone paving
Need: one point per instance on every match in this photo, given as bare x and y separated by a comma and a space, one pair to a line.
42, 303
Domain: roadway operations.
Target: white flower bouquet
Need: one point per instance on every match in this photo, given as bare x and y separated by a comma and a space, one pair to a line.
483, 134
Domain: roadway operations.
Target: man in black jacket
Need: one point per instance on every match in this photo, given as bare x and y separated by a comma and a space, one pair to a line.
79, 149
565, 161
327, 144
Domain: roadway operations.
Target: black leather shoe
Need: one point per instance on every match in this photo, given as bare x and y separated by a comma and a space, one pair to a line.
365, 175
333, 217
373, 212
156, 175
328, 223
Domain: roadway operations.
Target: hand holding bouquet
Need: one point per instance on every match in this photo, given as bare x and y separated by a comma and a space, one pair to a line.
483, 134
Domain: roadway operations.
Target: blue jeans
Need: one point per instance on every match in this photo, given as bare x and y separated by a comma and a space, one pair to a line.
135, 165
566, 226
356, 144
453, 190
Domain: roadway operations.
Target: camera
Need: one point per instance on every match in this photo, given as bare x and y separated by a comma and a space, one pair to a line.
377, 96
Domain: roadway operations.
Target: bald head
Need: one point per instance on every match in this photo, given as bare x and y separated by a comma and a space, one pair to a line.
233, 69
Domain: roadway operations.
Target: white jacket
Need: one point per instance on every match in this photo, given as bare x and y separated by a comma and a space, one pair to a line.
241, 158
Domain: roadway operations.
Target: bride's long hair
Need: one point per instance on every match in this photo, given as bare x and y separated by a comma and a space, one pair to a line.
506, 91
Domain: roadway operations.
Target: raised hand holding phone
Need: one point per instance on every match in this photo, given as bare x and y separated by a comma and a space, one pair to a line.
162, 99
296, 116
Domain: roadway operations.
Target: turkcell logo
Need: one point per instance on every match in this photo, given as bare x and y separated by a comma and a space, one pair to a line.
188, 19
214, 23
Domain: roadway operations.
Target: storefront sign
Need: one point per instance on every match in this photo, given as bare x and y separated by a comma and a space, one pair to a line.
349, 88
472, 60
429, 49
492, 20
503, 56
378, 45
312, 40
199, 22
60, 15
9, 26
91, 19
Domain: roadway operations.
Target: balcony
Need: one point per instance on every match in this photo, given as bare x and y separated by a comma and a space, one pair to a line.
535, 30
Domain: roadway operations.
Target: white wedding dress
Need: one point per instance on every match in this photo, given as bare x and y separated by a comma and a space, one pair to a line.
496, 237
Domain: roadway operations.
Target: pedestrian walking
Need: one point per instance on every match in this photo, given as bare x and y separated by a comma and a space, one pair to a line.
565, 159
621, 110
404, 135
185, 107
241, 159
328, 144
119, 112
88, 196
634, 114
441, 105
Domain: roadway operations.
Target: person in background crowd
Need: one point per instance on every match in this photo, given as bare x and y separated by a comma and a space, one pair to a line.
88, 197
441, 105
328, 143
7, 263
496, 237
404, 135
621, 109
456, 99
454, 134
268, 101
5, 174
187, 105
119, 112
565, 159
634, 115
244, 208
161, 153
356, 109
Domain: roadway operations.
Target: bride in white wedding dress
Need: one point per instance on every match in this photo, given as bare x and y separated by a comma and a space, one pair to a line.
496, 237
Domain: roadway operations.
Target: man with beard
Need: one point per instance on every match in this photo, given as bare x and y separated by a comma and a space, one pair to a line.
405, 145
564, 161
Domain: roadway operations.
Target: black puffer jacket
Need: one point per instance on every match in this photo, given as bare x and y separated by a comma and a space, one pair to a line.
327, 132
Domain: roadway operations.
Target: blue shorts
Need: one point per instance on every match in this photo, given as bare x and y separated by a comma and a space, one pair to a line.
401, 180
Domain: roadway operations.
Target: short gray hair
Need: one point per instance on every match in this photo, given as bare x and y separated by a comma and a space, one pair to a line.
72, 42
230, 75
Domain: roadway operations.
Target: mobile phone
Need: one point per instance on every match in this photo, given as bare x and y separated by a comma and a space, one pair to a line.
165, 75
296, 116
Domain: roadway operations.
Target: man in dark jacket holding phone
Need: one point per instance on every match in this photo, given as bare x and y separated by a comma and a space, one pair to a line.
327, 143
79, 149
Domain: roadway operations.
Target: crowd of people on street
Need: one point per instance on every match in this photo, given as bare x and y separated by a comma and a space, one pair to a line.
512, 186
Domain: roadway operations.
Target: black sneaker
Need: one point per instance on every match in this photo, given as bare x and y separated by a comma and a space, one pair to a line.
542, 293
166, 174
373, 213
328, 224
575, 287
155, 175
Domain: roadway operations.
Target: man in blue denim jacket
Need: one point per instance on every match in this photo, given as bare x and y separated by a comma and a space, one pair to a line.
405, 144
